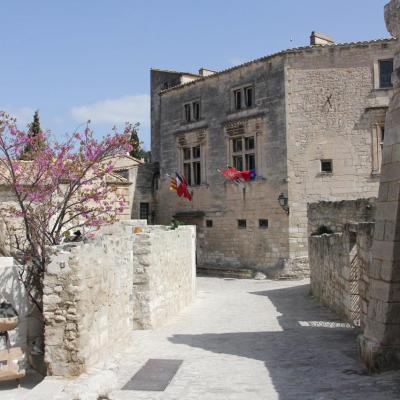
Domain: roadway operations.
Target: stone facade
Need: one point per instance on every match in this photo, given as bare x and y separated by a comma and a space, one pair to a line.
380, 343
96, 292
308, 105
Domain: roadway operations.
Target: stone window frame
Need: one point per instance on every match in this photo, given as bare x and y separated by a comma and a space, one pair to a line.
376, 76
190, 106
242, 91
242, 223
378, 129
243, 153
243, 128
197, 137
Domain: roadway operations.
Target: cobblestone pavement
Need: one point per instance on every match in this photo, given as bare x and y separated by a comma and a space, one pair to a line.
248, 339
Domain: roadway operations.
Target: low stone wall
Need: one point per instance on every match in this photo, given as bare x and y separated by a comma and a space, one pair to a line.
329, 272
164, 274
340, 270
97, 292
336, 214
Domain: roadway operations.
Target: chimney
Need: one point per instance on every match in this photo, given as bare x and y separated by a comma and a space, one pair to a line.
206, 72
320, 38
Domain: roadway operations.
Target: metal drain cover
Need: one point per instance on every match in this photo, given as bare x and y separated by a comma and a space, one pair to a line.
155, 375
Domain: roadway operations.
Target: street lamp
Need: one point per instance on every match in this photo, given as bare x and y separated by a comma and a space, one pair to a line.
284, 202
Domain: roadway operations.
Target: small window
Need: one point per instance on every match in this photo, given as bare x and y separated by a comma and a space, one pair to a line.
326, 166
237, 94
188, 116
196, 110
209, 223
144, 211
242, 223
385, 73
263, 223
248, 96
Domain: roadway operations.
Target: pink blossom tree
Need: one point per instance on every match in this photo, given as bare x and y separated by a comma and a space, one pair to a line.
62, 189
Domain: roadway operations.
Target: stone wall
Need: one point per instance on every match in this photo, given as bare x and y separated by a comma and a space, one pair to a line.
334, 272
164, 274
336, 214
96, 292
380, 343
340, 262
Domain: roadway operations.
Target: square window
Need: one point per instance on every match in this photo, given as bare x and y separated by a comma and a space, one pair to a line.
186, 153
385, 73
326, 166
248, 96
237, 94
263, 223
209, 223
242, 223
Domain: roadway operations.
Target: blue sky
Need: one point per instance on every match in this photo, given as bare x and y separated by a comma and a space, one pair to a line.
81, 59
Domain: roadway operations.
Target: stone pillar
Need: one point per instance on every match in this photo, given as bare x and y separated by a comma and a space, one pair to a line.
380, 343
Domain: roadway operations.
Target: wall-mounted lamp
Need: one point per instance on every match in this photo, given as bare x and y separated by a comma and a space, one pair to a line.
284, 202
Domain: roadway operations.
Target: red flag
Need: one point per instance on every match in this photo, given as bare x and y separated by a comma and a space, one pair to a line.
182, 187
234, 175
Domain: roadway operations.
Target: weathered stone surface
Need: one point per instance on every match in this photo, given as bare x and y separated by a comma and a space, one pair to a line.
101, 301
380, 344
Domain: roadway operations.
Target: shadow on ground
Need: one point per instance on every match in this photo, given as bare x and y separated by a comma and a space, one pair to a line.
311, 358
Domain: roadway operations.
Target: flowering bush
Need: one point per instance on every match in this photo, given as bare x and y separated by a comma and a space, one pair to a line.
61, 188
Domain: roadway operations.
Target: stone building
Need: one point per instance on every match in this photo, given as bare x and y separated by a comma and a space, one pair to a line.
136, 178
310, 120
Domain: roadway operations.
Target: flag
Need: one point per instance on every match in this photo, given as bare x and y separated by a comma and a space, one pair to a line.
182, 187
179, 185
234, 175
